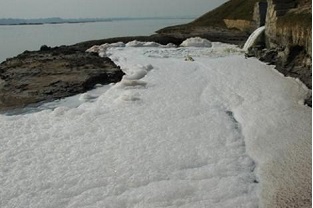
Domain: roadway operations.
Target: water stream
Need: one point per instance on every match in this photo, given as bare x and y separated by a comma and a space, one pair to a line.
253, 37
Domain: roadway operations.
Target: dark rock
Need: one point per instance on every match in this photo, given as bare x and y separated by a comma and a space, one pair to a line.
308, 101
51, 74
268, 56
44, 48
208, 32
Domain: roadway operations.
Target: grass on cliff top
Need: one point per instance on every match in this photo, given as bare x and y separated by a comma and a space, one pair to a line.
233, 9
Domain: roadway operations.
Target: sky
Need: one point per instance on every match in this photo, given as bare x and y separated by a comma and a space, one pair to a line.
105, 8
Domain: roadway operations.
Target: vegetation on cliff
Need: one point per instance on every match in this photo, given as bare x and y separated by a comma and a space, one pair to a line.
233, 9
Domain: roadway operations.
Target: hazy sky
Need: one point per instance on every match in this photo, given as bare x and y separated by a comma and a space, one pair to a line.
104, 8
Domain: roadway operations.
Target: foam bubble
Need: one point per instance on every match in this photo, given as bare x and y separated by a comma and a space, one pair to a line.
196, 42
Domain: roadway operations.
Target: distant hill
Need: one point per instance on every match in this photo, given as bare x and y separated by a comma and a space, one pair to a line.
233, 9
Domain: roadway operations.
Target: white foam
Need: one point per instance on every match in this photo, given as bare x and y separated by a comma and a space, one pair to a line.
131, 83
136, 43
170, 134
137, 74
102, 49
93, 49
196, 42
86, 97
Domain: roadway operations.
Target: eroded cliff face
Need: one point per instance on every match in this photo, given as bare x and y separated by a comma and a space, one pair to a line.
258, 19
288, 27
242, 25
288, 38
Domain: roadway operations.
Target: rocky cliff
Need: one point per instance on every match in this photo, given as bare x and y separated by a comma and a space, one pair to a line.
288, 33
242, 25
288, 24
232, 22
287, 42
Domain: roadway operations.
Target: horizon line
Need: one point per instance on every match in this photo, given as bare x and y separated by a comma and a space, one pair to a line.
108, 18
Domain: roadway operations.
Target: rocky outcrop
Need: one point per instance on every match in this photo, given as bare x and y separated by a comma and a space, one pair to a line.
288, 31
215, 34
258, 19
281, 29
230, 23
52, 73
287, 42
242, 25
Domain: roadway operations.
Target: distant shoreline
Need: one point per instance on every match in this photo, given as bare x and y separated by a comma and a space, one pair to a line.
57, 20
51, 23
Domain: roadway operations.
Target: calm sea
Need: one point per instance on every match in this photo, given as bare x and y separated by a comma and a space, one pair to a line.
16, 39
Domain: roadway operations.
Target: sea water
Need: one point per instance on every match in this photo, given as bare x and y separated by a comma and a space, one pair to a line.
14, 39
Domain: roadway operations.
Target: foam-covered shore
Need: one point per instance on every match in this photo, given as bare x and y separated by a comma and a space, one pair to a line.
185, 127
276, 126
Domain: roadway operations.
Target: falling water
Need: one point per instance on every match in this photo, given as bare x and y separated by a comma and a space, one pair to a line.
253, 37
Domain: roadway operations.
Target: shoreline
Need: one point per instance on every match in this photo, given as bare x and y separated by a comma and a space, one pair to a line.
56, 72
55, 66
